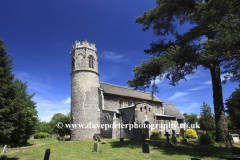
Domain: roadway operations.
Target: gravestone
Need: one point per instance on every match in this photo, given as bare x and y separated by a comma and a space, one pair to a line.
167, 135
31, 137
51, 137
64, 139
235, 150
99, 139
59, 138
5, 149
196, 159
174, 139
96, 147
47, 154
182, 133
121, 139
177, 135
145, 148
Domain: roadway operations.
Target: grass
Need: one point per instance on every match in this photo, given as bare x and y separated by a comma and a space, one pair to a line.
74, 150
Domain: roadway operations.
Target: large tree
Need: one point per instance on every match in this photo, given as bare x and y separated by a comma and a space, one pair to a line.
233, 108
216, 20
206, 120
17, 112
190, 119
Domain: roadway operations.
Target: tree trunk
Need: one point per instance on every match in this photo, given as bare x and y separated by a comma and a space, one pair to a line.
218, 97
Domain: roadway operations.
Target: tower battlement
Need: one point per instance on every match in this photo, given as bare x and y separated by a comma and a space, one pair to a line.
84, 44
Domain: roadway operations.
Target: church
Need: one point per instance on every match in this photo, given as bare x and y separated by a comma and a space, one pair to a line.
111, 110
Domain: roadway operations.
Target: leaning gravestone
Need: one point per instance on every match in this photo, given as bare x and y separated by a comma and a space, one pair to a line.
145, 148
5, 149
64, 139
174, 139
235, 150
99, 139
47, 154
96, 147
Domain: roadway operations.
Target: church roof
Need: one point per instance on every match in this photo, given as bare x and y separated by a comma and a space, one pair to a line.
127, 92
171, 109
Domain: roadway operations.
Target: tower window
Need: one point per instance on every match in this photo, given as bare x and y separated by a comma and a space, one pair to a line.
130, 102
91, 62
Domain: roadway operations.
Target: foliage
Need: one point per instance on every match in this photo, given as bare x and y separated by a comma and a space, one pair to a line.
206, 139
40, 135
231, 126
190, 119
190, 133
206, 120
216, 21
65, 119
233, 109
183, 141
17, 111
45, 127
155, 135
219, 133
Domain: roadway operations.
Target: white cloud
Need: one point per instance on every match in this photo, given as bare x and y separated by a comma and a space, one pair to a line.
179, 96
67, 100
189, 109
198, 88
222, 76
207, 82
47, 108
107, 55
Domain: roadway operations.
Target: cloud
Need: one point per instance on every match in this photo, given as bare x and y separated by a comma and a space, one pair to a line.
47, 108
111, 56
226, 74
179, 96
189, 109
67, 100
207, 82
198, 88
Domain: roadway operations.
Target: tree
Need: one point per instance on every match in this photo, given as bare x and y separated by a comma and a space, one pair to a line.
233, 108
190, 119
219, 21
25, 117
7, 95
65, 119
17, 112
206, 120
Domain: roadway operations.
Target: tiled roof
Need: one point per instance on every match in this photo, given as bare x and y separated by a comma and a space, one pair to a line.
128, 92
171, 109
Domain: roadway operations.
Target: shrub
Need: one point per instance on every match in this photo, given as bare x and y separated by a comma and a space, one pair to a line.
40, 135
155, 135
190, 133
206, 139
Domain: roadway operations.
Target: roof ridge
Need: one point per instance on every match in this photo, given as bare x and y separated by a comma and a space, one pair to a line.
125, 87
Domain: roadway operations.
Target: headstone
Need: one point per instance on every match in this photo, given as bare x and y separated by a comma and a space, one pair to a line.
31, 137
121, 139
174, 139
145, 148
182, 133
47, 154
64, 139
96, 147
5, 149
51, 137
196, 159
99, 139
235, 150
59, 138
167, 135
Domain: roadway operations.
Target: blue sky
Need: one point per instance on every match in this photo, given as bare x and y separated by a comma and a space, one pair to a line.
39, 35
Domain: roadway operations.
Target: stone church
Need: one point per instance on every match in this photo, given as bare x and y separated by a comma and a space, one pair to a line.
95, 103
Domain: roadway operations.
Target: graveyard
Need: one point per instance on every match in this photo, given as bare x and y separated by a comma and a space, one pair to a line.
116, 149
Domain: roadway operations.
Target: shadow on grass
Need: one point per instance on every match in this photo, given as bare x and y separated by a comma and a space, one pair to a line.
192, 150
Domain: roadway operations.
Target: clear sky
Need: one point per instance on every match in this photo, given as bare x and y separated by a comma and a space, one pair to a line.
39, 35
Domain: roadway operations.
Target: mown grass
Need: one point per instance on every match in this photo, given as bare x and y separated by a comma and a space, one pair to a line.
74, 150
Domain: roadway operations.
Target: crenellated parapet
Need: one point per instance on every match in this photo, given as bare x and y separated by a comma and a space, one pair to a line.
84, 44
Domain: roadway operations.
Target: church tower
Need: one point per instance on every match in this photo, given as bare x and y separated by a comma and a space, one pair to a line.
84, 90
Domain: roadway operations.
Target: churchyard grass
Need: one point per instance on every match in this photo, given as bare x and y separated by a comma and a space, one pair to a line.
113, 150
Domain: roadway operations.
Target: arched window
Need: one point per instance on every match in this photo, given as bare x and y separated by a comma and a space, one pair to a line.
130, 102
145, 109
149, 109
120, 103
141, 109
91, 64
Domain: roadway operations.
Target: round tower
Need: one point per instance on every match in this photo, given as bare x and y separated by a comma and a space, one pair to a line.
84, 90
